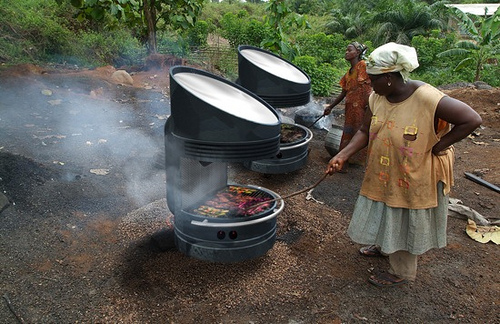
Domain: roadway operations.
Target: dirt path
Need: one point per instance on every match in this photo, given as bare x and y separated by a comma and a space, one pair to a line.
82, 165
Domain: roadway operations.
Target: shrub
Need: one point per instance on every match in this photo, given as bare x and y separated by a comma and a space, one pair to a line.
197, 36
322, 75
242, 30
427, 50
116, 47
440, 76
31, 32
172, 43
326, 48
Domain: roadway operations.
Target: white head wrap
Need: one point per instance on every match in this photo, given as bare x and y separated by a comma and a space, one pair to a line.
392, 57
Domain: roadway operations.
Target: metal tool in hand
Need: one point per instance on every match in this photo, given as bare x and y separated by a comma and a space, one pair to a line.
316, 121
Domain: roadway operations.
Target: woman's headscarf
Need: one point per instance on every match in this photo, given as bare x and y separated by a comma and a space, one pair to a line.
361, 48
392, 57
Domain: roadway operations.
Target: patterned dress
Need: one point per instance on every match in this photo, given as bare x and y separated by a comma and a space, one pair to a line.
403, 200
357, 85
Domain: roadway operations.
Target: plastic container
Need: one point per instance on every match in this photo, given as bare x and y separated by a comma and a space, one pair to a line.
332, 140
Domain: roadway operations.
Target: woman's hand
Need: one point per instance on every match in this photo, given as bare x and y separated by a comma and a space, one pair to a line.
438, 152
335, 165
328, 110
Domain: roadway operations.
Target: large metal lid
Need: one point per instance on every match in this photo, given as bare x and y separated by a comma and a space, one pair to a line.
216, 119
276, 80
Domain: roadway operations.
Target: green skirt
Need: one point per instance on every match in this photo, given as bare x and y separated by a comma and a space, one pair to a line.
396, 229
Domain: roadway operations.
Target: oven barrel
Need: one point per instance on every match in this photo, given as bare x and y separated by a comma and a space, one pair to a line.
215, 122
227, 239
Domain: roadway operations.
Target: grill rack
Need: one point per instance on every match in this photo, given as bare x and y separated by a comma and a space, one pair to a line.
234, 201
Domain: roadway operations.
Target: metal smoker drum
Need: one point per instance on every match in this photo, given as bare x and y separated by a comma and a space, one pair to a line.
281, 84
214, 122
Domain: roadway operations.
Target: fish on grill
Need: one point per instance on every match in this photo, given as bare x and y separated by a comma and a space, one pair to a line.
234, 201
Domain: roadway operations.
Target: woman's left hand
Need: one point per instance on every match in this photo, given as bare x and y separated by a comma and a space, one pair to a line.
439, 152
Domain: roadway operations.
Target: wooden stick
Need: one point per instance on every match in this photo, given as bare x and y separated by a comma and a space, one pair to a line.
290, 195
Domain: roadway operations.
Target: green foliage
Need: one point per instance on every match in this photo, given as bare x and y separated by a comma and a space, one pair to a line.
214, 11
483, 43
325, 48
40, 31
280, 19
405, 19
442, 75
26, 33
117, 48
45, 33
197, 35
351, 25
427, 50
173, 43
490, 74
311, 6
322, 75
145, 15
239, 29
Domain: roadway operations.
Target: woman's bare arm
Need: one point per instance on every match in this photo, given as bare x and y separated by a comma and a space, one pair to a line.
463, 118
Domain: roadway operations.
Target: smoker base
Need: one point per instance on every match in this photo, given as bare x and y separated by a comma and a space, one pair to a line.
278, 166
227, 252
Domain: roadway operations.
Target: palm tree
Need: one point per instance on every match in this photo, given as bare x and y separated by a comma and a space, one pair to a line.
482, 44
353, 18
405, 19
351, 25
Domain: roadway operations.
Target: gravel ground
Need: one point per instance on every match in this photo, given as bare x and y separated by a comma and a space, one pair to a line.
84, 237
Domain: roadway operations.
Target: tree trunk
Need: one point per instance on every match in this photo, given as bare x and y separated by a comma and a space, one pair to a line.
478, 70
150, 16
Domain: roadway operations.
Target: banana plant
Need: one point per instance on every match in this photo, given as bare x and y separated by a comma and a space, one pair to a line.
482, 42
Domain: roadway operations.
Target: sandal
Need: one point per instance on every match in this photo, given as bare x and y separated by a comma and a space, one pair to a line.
385, 279
370, 251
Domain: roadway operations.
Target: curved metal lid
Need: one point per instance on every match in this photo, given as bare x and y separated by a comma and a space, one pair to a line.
274, 79
274, 65
216, 119
226, 97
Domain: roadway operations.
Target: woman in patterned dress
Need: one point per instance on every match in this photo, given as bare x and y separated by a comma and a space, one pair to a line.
402, 208
355, 89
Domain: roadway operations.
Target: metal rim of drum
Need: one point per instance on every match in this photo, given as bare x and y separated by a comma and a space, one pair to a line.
303, 141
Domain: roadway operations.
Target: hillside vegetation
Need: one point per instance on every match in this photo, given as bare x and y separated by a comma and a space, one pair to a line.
313, 34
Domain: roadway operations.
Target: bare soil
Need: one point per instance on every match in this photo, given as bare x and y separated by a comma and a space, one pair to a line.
82, 164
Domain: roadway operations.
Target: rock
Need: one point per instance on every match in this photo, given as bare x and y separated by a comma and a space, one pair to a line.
482, 85
456, 85
122, 77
